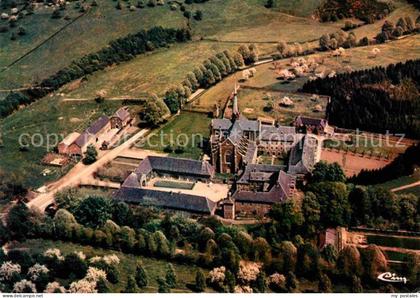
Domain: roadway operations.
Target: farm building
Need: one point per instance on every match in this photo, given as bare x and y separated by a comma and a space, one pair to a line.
90, 136
64, 145
313, 125
172, 183
121, 118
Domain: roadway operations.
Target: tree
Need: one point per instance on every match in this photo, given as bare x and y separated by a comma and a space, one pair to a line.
374, 262
170, 276
122, 213
282, 47
261, 282
333, 200
327, 172
238, 59
286, 218
163, 286
324, 284
230, 281
141, 276
74, 265
311, 211
292, 284
200, 281
131, 286
262, 250
349, 262
102, 286
90, 155
94, 211
324, 42
198, 16
21, 221
155, 110
356, 285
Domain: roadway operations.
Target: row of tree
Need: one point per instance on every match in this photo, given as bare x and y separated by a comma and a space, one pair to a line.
402, 27
379, 99
209, 73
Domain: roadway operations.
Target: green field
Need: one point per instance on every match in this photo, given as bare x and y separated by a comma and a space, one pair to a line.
48, 40
88, 34
395, 255
155, 268
47, 116
394, 241
154, 72
187, 130
405, 180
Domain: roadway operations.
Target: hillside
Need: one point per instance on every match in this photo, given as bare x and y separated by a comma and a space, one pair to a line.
47, 40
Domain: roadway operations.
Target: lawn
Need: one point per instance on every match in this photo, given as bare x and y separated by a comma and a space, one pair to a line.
405, 180
49, 116
390, 241
174, 184
187, 131
154, 72
155, 268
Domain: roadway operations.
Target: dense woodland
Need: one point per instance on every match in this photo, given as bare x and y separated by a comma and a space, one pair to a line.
365, 10
379, 99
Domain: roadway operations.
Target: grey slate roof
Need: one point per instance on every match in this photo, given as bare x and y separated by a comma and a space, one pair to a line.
281, 133
221, 124
278, 192
98, 125
303, 156
172, 165
83, 139
122, 113
92, 130
253, 170
169, 200
307, 121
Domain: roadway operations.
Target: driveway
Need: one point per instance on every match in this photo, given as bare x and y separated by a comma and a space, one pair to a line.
74, 177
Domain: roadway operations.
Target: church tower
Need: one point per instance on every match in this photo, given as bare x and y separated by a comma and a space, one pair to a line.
235, 109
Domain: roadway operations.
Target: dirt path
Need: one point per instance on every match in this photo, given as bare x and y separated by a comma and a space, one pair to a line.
81, 171
406, 186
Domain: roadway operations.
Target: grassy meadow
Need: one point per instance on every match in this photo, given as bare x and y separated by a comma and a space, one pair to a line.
88, 34
186, 126
154, 268
252, 104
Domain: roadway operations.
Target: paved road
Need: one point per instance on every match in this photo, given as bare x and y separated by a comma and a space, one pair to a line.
74, 177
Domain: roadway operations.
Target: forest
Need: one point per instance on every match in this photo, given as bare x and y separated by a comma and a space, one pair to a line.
365, 10
378, 99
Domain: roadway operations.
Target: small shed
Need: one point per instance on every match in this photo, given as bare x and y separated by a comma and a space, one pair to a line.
121, 118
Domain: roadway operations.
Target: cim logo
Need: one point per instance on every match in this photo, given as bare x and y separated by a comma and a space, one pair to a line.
392, 277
